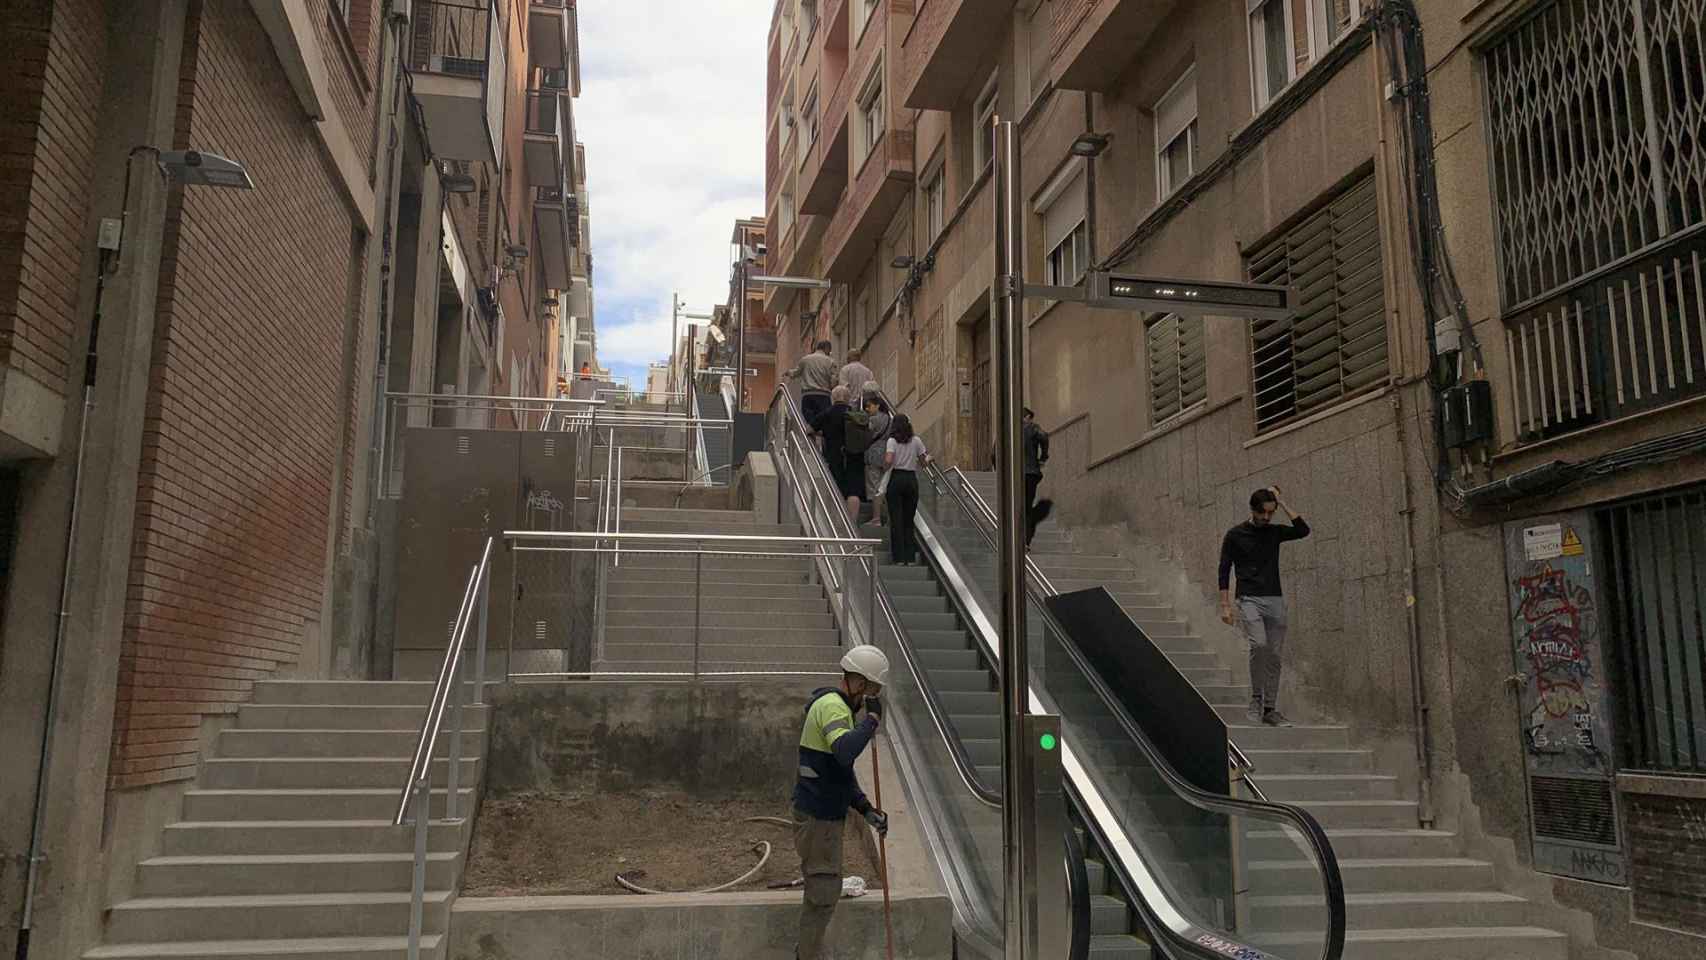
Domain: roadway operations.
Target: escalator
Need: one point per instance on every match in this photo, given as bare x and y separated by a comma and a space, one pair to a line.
1157, 859
718, 442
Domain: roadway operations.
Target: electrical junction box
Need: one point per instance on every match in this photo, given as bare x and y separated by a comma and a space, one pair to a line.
1468, 414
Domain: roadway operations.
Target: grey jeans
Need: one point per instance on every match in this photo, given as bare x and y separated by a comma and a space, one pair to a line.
1264, 623
819, 843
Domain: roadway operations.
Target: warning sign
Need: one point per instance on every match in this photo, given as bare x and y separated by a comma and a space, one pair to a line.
1572, 546
1544, 542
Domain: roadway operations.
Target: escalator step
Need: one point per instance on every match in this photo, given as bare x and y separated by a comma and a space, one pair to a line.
950, 659
987, 704
1108, 915
1118, 947
960, 681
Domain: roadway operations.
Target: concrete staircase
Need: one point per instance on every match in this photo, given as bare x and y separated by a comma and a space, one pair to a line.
967, 684
285, 847
1410, 894
754, 613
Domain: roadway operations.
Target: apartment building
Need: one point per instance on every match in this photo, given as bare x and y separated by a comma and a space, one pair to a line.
194, 379
752, 321
1488, 402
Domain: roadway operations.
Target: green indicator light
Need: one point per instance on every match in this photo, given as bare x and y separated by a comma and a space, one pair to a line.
1048, 741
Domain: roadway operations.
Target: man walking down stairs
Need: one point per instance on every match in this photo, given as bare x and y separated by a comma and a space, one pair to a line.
1410, 894
285, 846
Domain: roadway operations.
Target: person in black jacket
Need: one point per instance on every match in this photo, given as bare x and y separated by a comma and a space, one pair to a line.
1034, 442
1252, 549
846, 469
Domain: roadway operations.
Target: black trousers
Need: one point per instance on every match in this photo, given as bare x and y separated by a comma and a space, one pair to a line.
903, 508
1032, 482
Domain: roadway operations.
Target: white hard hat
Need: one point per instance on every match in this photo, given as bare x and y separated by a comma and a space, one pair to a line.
868, 662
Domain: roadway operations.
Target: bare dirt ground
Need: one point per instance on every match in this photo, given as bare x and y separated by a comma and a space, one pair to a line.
539, 844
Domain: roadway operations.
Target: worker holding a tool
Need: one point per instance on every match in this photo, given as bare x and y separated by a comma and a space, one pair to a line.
827, 787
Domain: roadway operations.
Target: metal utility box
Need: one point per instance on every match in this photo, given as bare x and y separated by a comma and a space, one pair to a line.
1468, 412
1559, 651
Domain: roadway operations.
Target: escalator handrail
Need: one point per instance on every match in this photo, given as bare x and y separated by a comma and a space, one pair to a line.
963, 764
1078, 893
1237, 759
1319, 845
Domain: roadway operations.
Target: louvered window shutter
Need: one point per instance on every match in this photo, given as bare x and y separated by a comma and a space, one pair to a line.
1178, 365
1336, 346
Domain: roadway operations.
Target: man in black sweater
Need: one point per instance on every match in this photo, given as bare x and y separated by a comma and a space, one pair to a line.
1252, 549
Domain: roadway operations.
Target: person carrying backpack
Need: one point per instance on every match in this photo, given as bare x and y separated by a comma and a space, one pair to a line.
846, 469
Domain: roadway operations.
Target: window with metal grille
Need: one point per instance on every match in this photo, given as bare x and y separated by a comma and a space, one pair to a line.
1335, 347
1594, 114
1178, 365
1656, 603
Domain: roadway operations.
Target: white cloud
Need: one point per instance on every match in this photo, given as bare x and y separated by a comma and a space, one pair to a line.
672, 114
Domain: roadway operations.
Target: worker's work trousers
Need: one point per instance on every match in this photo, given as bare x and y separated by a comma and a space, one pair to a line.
1264, 623
819, 843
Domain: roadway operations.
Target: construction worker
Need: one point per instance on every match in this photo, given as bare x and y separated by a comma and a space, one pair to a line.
827, 788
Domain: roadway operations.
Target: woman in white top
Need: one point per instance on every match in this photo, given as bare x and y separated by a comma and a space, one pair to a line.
903, 456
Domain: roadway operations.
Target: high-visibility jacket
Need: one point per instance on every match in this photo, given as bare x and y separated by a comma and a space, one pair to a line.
829, 743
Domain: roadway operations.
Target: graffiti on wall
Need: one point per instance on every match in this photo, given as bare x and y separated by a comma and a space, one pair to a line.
1555, 624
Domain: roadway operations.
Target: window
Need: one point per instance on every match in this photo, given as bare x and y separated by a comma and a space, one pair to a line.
808, 17
935, 203
983, 127
862, 11
1066, 235
1178, 365
784, 214
1176, 135
808, 113
870, 127
1037, 25
1335, 347
1286, 36
862, 319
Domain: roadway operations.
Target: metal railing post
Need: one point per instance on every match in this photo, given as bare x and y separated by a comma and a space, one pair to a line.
485, 612
698, 594
417, 893
509, 645
871, 598
457, 680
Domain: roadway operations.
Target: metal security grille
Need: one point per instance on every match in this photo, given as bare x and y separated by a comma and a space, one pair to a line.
1595, 111
1178, 364
1566, 808
1657, 604
1335, 347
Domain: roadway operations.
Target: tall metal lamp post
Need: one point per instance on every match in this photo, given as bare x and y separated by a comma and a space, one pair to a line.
677, 314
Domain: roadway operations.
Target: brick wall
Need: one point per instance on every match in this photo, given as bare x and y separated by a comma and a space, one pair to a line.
1667, 845
244, 418
348, 48
47, 140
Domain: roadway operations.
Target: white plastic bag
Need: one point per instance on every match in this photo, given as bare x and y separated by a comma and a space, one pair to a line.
852, 886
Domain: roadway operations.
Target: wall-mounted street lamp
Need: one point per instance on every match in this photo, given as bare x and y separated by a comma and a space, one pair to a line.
1089, 144
197, 169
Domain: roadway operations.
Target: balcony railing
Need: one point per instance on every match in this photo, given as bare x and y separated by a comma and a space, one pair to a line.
449, 36
1619, 344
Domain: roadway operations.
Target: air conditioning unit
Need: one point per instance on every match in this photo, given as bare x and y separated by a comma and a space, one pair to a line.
458, 66
555, 78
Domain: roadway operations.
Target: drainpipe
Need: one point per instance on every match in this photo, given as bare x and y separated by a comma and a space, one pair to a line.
1418, 687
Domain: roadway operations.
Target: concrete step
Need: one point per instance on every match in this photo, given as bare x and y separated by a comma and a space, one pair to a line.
676, 563
1430, 943
346, 692
196, 876
1335, 814
1402, 874
714, 602
302, 837
628, 583
1301, 787
270, 916
1365, 843
306, 773
1369, 911
373, 803
1309, 761
1304, 736
329, 948
239, 742
689, 516
742, 527
824, 664
1201, 675
290, 716
676, 623
1228, 694
785, 646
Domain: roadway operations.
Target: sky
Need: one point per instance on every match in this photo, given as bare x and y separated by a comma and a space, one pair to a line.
672, 114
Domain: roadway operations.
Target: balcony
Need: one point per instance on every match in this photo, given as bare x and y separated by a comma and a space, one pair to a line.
551, 222
1621, 344
548, 34
868, 207
951, 46
458, 62
823, 175
1109, 33
542, 138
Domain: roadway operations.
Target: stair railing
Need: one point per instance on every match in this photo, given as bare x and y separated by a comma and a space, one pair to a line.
448, 694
